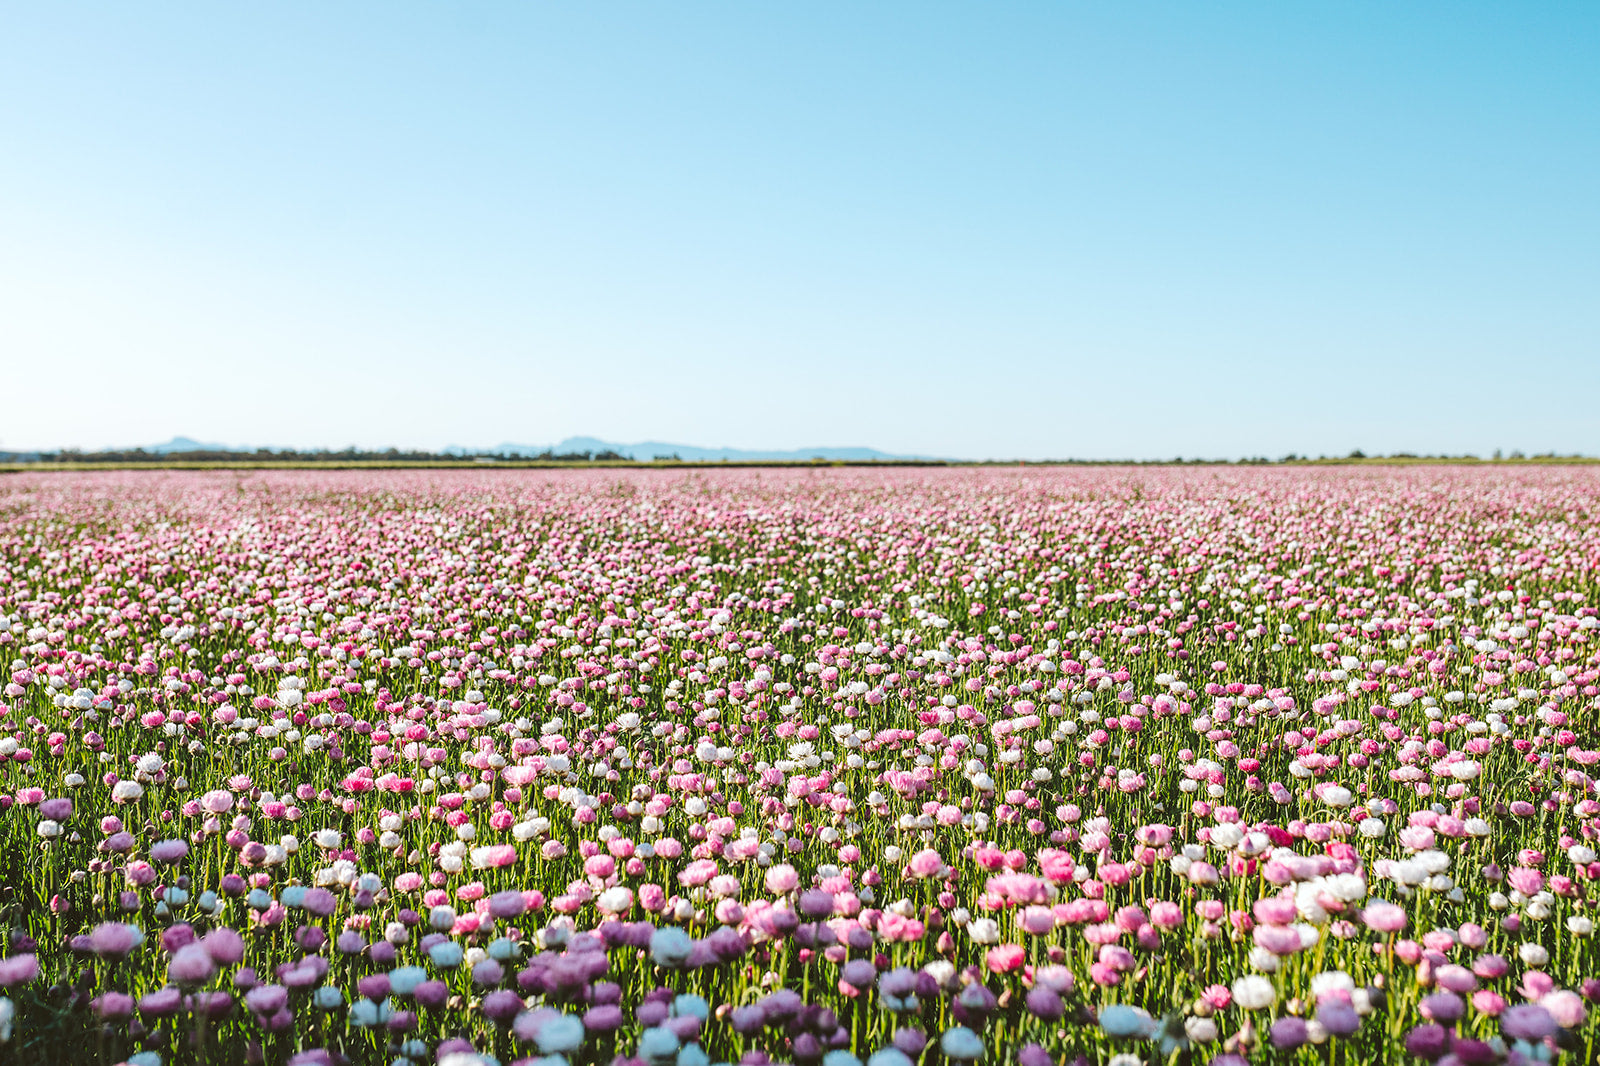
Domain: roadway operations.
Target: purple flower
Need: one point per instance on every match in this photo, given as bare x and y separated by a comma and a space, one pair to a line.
502, 1006
266, 999
319, 902
1340, 1019
214, 1005
1445, 1008
910, 1041
1527, 1021
726, 944
815, 903
1428, 1041
506, 904
747, 1019
859, 973
1034, 1055
314, 1057
431, 994
161, 1003
782, 1004
177, 936
603, 1018
1288, 1033
1044, 1003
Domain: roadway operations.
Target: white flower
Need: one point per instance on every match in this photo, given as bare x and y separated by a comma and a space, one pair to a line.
1254, 993
1331, 981
1578, 925
1226, 835
1533, 955
1264, 960
984, 931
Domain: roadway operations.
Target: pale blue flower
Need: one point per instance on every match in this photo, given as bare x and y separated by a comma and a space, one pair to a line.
670, 946
658, 1046
961, 1043
404, 981
560, 1034
688, 1004
446, 955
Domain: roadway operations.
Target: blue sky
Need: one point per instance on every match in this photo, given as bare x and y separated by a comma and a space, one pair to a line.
973, 230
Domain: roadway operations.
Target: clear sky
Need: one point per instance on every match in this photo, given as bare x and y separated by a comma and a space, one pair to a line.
983, 230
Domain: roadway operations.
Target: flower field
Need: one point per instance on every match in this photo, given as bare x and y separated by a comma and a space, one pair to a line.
838, 766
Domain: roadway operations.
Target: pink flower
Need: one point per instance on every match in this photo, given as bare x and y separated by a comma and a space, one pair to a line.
1455, 978
114, 939
1485, 1001
924, 864
697, 873
1005, 958
1037, 920
494, 857
1278, 910
1524, 880
782, 879
18, 969
1165, 915
1565, 1007
1056, 865
225, 946
191, 965
1384, 917
169, 851
217, 801
1490, 967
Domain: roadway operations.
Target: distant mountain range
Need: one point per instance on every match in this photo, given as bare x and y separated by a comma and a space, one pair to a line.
644, 450
655, 449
